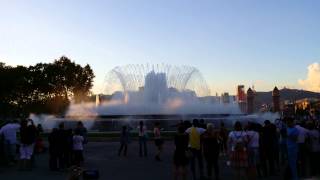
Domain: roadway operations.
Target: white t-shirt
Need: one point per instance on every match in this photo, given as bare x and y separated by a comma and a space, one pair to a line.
253, 139
302, 134
143, 131
9, 132
78, 142
157, 133
199, 130
237, 136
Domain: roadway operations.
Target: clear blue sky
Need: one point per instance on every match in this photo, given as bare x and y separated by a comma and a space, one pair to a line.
264, 43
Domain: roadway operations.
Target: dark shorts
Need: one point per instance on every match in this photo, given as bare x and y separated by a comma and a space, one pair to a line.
158, 142
78, 156
180, 159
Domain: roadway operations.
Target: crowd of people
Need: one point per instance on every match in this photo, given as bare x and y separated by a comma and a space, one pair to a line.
283, 148
65, 145
30, 142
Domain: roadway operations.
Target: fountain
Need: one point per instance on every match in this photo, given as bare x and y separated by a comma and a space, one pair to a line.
159, 90
153, 93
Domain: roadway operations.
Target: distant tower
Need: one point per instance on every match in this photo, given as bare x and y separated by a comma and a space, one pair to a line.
241, 95
250, 101
276, 99
241, 98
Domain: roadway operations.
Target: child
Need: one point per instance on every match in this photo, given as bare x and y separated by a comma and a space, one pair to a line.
78, 148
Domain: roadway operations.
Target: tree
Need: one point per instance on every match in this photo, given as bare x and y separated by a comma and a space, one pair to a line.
44, 87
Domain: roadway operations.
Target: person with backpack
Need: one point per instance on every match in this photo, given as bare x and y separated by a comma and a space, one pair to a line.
238, 151
195, 133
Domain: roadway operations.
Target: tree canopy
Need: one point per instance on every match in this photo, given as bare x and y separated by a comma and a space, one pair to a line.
44, 87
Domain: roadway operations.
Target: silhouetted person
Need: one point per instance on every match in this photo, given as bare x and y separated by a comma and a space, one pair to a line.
211, 149
303, 149
39, 146
238, 151
77, 147
28, 134
124, 141
195, 147
158, 140
180, 159
143, 136
253, 150
314, 149
223, 134
9, 135
62, 146
69, 153
292, 147
270, 141
54, 149
82, 130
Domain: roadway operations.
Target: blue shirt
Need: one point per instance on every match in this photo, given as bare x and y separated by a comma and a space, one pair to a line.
292, 133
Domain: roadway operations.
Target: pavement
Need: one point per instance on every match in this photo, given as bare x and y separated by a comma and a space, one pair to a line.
103, 157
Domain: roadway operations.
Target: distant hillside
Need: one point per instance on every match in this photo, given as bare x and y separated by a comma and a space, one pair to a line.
285, 94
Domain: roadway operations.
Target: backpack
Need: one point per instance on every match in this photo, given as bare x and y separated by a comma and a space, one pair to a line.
241, 143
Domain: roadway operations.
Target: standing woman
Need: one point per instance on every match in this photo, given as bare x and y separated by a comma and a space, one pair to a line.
158, 140
180, 159
211, 149
143, 134
238, 151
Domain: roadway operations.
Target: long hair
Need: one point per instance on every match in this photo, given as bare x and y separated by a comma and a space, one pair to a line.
141, 126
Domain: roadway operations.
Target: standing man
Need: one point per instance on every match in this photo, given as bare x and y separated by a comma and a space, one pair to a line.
195, 133
292, 147
271, 142
9, 132
28, 134
303, 149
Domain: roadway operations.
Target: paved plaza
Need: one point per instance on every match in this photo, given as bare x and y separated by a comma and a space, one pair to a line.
103, 156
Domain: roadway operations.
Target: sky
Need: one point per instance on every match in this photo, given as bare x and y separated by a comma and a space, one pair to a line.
255, 43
